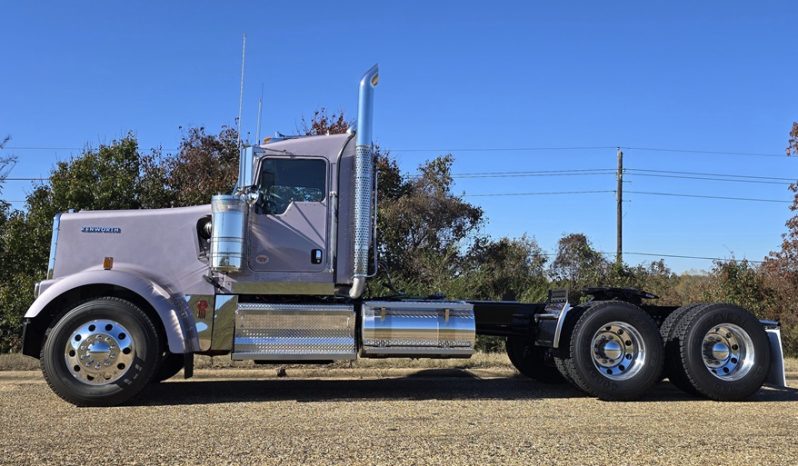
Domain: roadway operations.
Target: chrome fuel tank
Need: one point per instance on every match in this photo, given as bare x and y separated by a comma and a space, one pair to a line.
418, 329
229, 214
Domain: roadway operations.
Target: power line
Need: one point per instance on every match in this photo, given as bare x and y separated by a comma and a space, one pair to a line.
631, 171
549, 193
35, 148
730, 180
504, 149
709, 152
680, 256
651, 193
729, 175
41, 148
516, 174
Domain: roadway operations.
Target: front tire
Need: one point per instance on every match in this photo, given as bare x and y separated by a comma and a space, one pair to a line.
101, 353
615, 351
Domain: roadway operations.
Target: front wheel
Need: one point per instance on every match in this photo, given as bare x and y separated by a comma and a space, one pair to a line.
615, 351
101, 353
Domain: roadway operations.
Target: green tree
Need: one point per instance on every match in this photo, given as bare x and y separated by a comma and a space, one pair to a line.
110, 177
506, 269
779, 271
577, 264
321, 123
425, 228
206, 164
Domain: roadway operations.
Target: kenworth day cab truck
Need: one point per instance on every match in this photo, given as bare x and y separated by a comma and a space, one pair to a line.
276, 271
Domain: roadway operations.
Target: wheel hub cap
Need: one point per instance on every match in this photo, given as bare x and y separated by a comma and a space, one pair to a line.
99, 352
727, 351
618, 351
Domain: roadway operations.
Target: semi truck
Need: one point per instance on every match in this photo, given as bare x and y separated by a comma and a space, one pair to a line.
275, 272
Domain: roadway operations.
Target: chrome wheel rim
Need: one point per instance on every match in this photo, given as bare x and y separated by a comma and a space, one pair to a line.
99, 352
618, 351
727, 351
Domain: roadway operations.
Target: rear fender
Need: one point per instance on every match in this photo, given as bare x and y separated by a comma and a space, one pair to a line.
176, 319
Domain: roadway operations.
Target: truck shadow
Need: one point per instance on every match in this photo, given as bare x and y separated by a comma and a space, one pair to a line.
433, 384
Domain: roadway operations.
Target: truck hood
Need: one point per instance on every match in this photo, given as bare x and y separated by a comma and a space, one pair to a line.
163, 243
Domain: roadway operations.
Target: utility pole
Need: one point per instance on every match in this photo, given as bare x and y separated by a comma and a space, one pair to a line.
619, 211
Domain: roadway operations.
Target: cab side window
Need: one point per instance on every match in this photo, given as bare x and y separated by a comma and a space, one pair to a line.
283, 181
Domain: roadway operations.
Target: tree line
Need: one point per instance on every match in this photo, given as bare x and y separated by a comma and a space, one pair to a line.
431, 241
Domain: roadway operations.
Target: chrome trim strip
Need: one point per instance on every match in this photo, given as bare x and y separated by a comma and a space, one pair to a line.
293, 356
332, 250
283, 288
335, 188
560, 324
53, 246
203, 317
224, 322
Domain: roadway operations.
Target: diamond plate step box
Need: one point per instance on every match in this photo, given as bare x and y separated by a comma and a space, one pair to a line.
280, 332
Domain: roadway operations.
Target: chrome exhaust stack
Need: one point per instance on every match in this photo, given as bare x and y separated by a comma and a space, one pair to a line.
364, 182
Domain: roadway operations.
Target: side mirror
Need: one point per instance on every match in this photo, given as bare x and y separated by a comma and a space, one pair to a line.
251, 194
253, 197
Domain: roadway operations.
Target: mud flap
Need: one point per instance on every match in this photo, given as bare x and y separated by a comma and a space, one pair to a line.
188, 365
776, 377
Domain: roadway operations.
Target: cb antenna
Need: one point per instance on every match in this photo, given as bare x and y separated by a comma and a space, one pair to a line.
260, 113
241, 95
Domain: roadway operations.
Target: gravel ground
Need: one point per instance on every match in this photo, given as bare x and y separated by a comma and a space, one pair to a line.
389, 416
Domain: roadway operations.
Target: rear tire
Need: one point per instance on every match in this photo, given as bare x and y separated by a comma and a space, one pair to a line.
562, 367
101, 353
724, 351
615, 351
532, 361
171, 364
673, 361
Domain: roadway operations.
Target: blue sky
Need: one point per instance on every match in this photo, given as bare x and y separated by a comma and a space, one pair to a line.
708, 76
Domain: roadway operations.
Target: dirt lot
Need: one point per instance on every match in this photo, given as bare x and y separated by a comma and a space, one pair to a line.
379, 415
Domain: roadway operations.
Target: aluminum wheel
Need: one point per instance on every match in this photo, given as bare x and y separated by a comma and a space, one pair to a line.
99, 352
618, 351
728, 351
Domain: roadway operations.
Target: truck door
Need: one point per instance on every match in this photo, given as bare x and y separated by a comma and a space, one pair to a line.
288, 224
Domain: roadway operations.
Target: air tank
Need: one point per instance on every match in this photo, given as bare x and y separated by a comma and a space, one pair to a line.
229, 213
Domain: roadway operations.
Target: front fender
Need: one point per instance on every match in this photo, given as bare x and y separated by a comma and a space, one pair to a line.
178, 322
